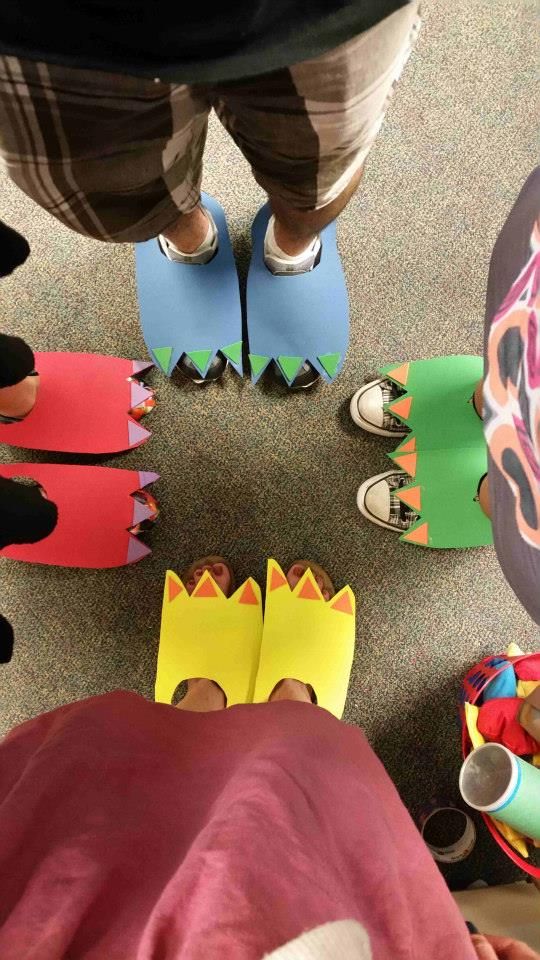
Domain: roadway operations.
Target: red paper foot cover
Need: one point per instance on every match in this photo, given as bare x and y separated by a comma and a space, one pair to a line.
82, 405
95, 510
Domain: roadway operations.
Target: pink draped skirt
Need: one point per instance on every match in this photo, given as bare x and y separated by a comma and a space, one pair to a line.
130, 830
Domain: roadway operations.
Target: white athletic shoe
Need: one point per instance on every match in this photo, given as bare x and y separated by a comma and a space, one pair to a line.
280, 263
203, 254
377, 501
367, 408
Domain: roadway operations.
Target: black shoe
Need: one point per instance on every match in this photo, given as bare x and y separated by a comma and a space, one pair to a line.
215, 371
306, 377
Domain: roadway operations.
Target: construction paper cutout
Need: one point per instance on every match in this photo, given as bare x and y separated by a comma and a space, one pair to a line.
68, 418
442, 414
139, 393
233, 352
417, 534
146, 477
207, 587
139, 366
248, 594
446, 452
342, 602
525, 687
449, 481
190, 308
219, 640
174, 587
471, 719
277, 577
304, 316
330, 362
258, 364
289, 366
141, 511
412, 496
401, 407
400, 374
95, 512
310, 589
406, 446
136, 433
162, 356
514, 650
136, 550
515, 839
200, 359
309, 641
406, 462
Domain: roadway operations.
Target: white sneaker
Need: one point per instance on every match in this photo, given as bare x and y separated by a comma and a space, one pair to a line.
377, 501
367, 408
280, 263
203, 253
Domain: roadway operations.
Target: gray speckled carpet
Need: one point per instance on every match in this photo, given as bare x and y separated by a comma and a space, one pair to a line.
253, 472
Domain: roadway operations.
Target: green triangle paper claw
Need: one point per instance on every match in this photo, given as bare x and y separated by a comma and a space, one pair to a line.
200, 359
162, 356
233, 352
258, 364
330, 363
289, 366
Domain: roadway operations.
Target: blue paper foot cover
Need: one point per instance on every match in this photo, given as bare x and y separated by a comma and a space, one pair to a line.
190, 309
296, 318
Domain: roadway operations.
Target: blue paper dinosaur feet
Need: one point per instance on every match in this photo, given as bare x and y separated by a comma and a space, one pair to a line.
297, 318
191, 309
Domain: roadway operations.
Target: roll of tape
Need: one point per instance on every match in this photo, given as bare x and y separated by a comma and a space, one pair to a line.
460, 847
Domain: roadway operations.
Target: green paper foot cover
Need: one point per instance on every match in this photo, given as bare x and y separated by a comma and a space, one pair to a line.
436, 404
445, 453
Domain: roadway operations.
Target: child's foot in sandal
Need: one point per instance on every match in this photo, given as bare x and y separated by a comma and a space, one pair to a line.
298, 569
307, 644
288, 688
204, 695
219, 569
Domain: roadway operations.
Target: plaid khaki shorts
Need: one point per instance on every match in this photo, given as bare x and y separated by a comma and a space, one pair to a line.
119, 157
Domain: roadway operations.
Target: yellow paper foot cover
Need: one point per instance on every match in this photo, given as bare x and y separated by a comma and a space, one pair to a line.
307, 639
209, 635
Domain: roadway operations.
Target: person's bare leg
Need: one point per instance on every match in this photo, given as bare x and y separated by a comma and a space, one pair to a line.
19, 400
294, 230
483, 492
479, 398
483, 496
189, 231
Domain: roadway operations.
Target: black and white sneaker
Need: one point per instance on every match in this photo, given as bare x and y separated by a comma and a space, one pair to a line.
367, 408
377, 501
